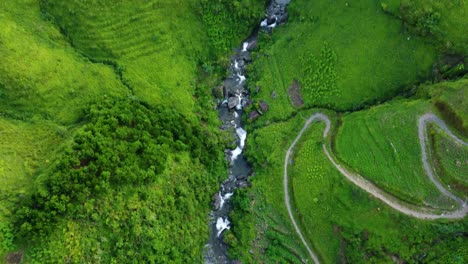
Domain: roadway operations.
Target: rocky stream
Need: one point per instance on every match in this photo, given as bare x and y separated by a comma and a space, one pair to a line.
236, 97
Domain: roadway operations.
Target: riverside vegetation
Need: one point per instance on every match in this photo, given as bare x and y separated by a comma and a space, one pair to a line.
376, 71
110, 151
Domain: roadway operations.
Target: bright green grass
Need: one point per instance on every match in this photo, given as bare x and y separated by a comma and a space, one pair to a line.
350, 56
443, 19
451, 162
40, 74
340, 221
25, 147
157, 45
344, 223
450, 99
275, 233
382, 144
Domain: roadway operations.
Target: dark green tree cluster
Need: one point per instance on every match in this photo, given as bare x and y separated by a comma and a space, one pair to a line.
227, 21
422, 19
242, 232
125, 143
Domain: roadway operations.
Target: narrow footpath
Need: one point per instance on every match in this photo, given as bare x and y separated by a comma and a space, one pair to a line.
372, 189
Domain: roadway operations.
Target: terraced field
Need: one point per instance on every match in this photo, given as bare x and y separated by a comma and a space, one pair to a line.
341, 61
155, 45
450, 160
334, 215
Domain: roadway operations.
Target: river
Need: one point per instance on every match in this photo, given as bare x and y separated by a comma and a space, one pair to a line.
230, 110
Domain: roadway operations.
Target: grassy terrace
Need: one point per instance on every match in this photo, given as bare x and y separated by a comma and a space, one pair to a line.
346, 56
382, 143
451, 161
341, 221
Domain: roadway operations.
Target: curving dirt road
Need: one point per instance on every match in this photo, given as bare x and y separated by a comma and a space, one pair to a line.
361, 182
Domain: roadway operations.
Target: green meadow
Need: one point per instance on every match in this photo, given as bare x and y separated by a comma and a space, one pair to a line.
443, 21
157, 46
382, 144
341, 222
347, 55
451, 162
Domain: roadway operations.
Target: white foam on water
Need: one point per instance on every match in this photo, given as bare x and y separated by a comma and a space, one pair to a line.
235, 153
224, 198
242, 136
221, 200
228, 195
241, 78
239, 105
264, 23
221, 225
272, 25
236, 115
244, 46
236, 65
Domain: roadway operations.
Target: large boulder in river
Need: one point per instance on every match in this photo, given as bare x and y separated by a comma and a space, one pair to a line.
232, 86
245, 56
216, 201
233, 102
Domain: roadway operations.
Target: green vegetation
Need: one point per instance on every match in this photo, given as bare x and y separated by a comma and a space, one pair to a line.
41, 76
221, 19
342, 218
101, 125
441, 20
371, 143
341, 221
155, 46
347, 55
275, 239
110, 153
128, 151
449, 98
451, 162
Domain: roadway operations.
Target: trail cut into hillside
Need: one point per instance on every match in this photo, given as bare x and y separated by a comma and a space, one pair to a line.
372, 189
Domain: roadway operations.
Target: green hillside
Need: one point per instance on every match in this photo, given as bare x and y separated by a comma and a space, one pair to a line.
444, 21
100, 127
345, 55
111, 148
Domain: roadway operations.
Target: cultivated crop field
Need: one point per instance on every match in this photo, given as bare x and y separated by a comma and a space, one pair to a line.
155, 45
